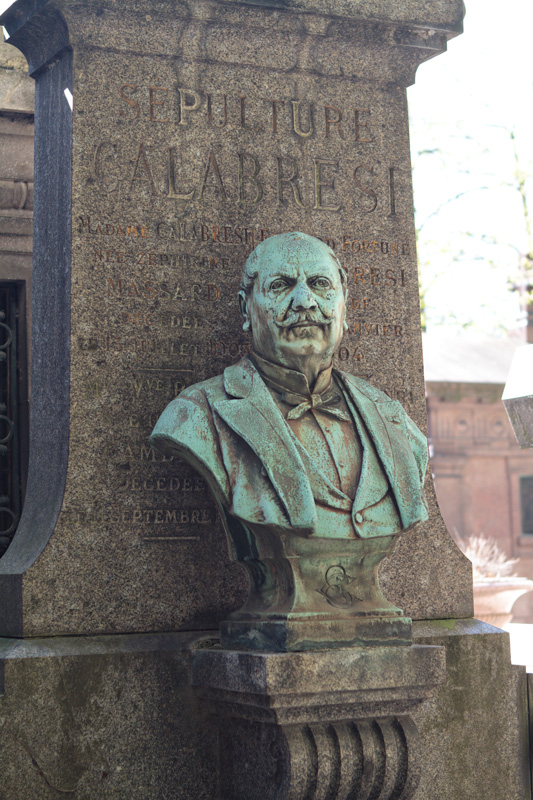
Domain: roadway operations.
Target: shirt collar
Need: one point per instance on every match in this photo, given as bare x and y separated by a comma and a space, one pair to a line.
290, 379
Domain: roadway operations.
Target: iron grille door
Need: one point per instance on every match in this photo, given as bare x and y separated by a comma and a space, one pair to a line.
10, 461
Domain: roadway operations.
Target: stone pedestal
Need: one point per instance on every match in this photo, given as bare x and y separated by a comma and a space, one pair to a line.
330, 724
320, 594
110, 717
474, 731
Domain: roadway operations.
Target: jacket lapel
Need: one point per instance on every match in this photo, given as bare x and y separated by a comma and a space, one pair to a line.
384, 425
373, 482
254, 416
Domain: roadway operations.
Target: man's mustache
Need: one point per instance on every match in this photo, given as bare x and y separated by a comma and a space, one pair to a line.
294, 318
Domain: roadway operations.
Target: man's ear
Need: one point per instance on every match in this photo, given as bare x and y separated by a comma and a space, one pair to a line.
243, 305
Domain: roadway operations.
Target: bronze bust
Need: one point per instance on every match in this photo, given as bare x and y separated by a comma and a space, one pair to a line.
315, 472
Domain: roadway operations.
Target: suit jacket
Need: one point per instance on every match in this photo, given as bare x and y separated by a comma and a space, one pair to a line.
231, 431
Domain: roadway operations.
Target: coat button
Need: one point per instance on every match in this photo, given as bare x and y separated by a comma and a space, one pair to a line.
359, 517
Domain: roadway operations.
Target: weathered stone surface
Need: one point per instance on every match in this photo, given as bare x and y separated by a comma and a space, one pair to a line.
115, 716
12, 59
169, 195
106, 717
474, 731
16, 164
334, 724
440, 15
16, 91
279, 684
356, 758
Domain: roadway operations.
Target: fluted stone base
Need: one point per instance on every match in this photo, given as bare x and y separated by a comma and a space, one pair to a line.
332, 724
360, 758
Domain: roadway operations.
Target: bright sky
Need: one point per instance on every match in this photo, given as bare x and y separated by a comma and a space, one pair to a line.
463, 109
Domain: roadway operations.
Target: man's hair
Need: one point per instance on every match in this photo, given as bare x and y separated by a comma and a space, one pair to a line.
253, 263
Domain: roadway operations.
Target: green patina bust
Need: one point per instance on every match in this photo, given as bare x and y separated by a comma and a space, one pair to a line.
315, 472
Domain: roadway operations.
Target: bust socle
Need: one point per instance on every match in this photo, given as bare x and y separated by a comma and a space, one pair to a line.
315, 472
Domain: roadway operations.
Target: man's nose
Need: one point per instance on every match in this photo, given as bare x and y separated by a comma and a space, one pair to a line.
302, 297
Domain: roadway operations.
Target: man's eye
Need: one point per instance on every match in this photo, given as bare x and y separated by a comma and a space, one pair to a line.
322, 283
278, 284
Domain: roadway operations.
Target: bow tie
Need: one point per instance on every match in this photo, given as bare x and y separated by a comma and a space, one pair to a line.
325, 402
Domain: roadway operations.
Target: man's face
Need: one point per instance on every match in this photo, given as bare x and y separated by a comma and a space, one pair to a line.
296, 307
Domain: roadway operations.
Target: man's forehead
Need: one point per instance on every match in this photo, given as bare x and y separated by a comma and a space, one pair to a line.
292, 263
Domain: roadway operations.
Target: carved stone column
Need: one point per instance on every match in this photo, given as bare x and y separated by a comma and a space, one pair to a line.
333, 724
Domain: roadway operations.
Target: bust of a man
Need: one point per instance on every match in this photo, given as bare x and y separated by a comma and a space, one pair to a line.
315, 472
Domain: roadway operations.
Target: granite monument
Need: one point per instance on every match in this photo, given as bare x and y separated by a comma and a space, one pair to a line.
172, 137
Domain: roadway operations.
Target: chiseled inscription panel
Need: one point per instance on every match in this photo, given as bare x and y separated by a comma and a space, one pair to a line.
181, 172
